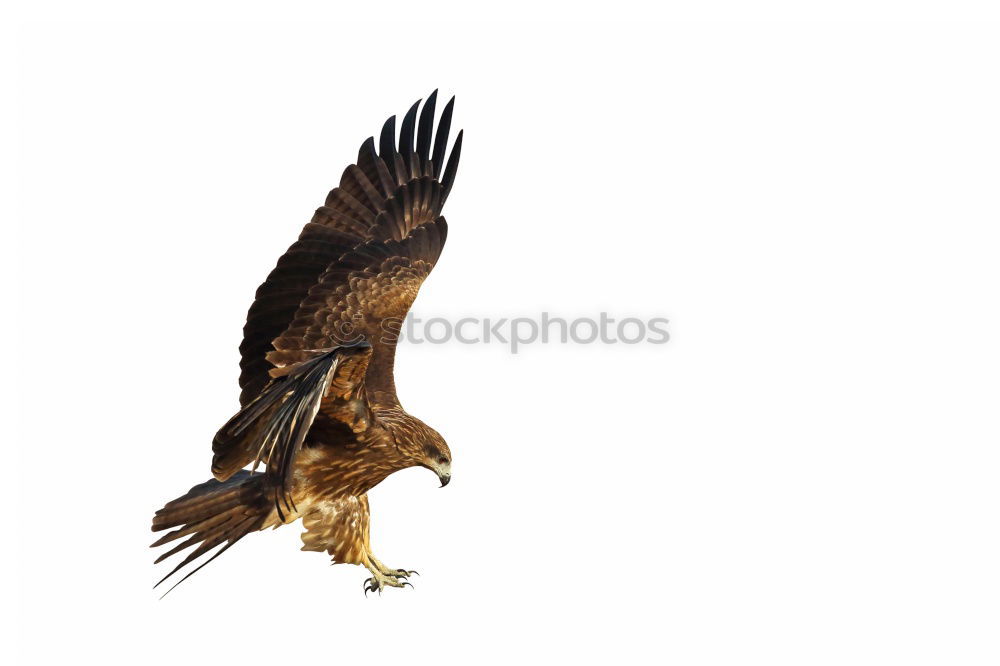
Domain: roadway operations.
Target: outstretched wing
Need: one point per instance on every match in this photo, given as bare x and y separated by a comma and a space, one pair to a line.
385, 196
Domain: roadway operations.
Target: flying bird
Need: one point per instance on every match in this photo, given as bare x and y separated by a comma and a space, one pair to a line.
319, 414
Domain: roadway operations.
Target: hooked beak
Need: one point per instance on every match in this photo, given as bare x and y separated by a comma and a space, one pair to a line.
444, 478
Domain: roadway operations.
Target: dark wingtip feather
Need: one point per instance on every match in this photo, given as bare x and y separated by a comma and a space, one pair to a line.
449, 173
387, 143
406, 130
426, 127
367, 150
441, 138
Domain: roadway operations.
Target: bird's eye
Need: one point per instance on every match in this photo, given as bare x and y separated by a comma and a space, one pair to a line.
442, 460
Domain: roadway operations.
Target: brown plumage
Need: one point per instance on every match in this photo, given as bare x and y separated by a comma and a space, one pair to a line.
318, 403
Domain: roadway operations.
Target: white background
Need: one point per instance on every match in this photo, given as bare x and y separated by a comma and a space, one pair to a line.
805, 474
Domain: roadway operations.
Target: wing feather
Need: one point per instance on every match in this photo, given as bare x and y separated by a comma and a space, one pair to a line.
406, 130
441, 139
272, 428
426, 126
387, 144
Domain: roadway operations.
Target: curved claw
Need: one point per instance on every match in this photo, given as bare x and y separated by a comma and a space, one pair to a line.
369, 586
406, 582
404, 572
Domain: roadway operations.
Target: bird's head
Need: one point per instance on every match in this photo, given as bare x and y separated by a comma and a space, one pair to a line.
435, 455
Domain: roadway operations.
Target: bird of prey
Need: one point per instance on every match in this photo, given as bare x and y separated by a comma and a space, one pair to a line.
319, 412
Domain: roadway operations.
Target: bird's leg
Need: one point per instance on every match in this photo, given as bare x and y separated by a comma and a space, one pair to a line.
383, 576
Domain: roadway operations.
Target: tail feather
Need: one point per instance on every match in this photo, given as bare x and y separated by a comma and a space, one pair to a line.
212, 513
206, 523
